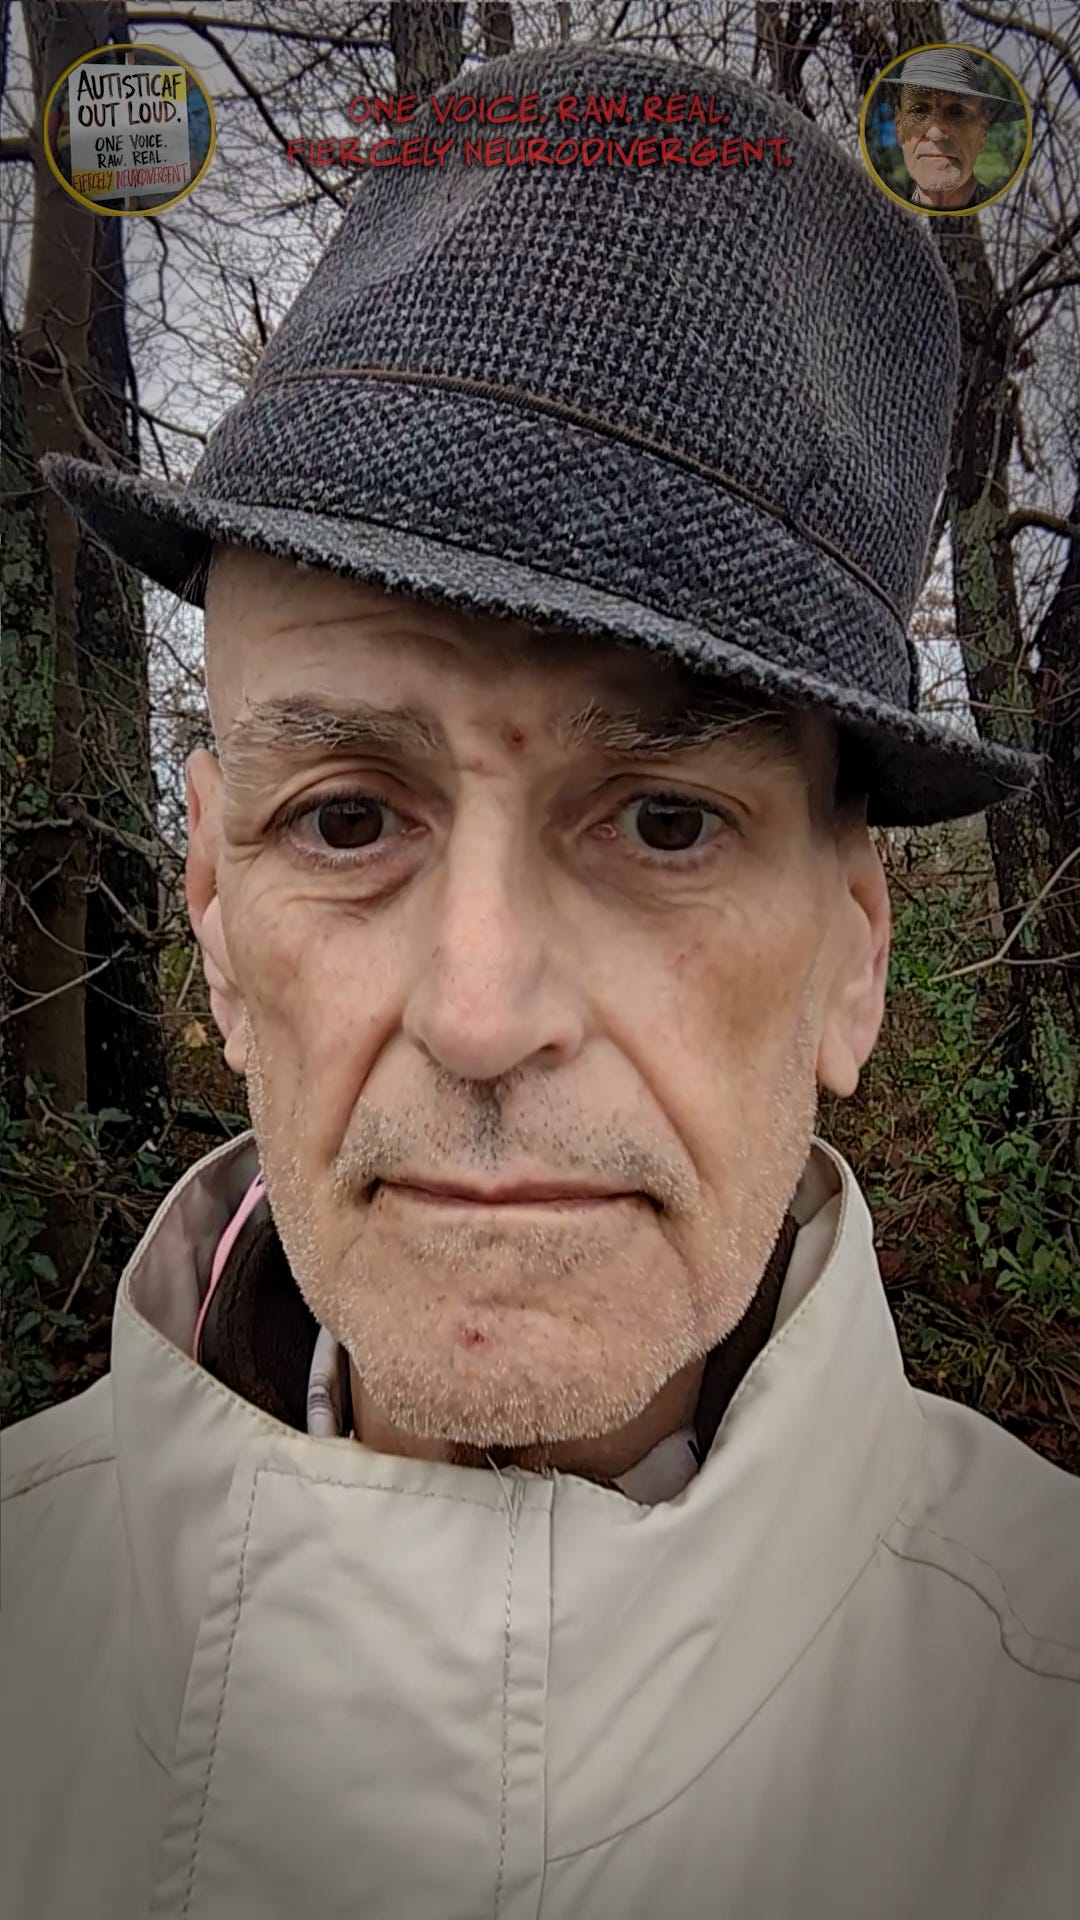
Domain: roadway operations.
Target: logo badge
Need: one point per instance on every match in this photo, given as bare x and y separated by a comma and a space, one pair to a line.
945, 130
129, 130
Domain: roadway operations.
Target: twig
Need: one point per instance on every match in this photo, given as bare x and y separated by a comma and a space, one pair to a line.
1051, 960
183, 993
980, 966
198, 24
1051, 251
225, 1130
108, 455
171, 426
78, 1280
106, 831
1014, 23
194, 1120
152, 936
176, 17
1047, 286
77, 953
39, 999
260, 323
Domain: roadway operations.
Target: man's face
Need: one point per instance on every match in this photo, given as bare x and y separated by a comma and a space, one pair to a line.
941, 136
496, 950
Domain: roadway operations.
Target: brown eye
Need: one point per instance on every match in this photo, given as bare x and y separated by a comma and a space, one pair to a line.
670, 826
673, 823
347, 825
344, 830
327, 831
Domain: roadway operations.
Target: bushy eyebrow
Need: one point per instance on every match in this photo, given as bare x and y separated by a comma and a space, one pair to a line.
635, 734
272, 734
296, 727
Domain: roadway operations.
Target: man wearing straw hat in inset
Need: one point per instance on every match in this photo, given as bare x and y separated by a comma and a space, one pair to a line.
943, 112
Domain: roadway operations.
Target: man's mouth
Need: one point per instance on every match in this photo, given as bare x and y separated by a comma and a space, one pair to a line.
552, 1198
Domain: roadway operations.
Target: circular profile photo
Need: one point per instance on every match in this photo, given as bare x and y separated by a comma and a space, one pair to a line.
128, 130
945, 129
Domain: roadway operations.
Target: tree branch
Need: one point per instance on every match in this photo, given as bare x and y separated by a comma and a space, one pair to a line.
1034, 267
156, 420
1034, 517
980, 966
260, 324
176, 17
1013, 23
1047, 286
199, 25
38, 999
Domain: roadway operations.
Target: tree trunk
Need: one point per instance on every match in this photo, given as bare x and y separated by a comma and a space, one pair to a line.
1042, 1042
427, 45
28, 653
1057, 736
89, 1030
126, 1059
50, 952
497, 28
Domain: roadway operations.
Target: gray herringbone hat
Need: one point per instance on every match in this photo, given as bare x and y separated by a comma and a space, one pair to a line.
699, 409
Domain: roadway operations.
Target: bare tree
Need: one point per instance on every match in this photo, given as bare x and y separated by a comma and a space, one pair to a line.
1036, 263
80, 881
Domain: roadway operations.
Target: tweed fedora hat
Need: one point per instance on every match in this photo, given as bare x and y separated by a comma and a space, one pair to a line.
701, 409
955, 70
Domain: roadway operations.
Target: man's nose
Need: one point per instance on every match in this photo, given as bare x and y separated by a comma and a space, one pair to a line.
491, 996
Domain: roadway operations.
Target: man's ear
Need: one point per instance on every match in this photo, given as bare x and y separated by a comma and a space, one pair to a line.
202, 785
855, 1006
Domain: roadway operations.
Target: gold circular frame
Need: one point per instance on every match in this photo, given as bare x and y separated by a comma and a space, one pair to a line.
94, 206
943, 213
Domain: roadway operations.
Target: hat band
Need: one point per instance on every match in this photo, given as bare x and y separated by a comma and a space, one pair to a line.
595, 423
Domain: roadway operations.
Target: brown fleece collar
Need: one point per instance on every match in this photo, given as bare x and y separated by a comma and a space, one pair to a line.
259, 1335
731, 1360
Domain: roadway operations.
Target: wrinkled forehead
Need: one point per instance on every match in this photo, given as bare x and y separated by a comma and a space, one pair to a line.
258, 605
271, 623
301, 663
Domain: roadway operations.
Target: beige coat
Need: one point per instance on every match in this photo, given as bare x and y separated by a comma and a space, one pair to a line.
257, 1676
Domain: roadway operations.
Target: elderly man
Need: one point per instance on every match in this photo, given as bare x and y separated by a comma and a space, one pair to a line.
943, 114
507, 1498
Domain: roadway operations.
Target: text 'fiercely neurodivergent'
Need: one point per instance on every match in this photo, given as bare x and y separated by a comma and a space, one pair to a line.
597, 130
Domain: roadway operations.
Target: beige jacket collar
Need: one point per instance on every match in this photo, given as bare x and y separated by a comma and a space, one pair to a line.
741, 1568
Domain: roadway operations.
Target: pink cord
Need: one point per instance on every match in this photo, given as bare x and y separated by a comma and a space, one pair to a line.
224, 1247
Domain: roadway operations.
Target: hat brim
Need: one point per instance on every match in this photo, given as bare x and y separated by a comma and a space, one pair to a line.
917, 771
1001, 107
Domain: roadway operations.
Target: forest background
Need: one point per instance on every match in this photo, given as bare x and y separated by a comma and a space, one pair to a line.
125, 340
